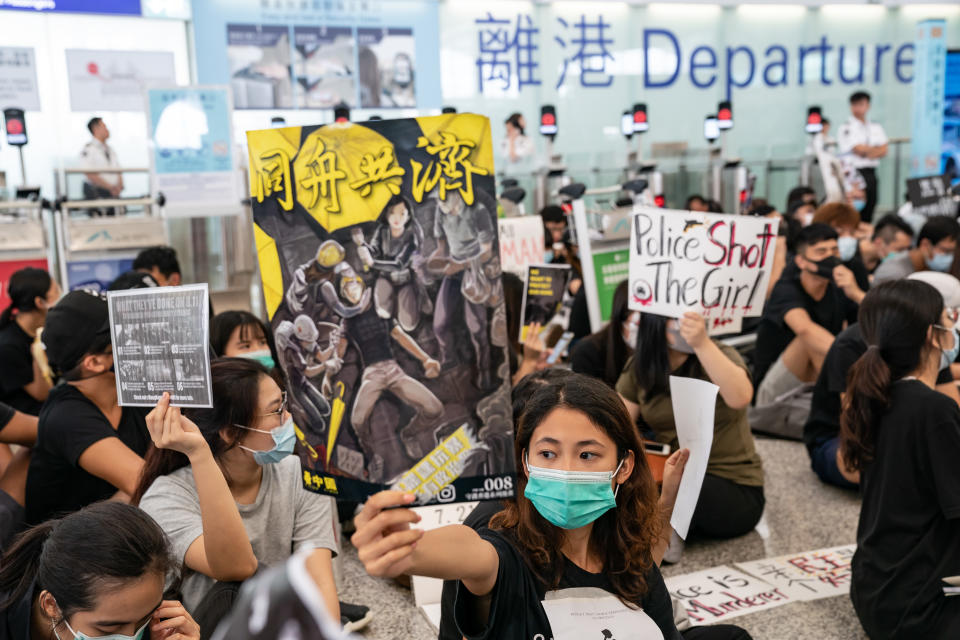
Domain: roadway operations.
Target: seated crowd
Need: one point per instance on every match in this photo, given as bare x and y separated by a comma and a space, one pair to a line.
125, 522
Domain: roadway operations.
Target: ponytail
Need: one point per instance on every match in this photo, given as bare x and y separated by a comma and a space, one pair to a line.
21, 563
24, 287
866, 398
895, 319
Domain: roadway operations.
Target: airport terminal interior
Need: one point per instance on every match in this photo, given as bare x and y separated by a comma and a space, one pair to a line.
506, 320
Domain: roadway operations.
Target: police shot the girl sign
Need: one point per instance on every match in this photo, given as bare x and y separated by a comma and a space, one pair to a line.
716, 264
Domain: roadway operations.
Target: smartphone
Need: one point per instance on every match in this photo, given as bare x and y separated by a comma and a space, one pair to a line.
560, 347
640, 122
814, 120
656, 447
548, 120
711, 130
725, 115
626, 124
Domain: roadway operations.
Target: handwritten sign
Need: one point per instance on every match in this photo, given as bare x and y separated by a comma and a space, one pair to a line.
716, 264
521, 243
810, 575
930, 196
723, 592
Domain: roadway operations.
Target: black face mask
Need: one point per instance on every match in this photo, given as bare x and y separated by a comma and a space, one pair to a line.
826, 266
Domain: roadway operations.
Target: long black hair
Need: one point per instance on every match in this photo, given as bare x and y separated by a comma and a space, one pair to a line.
651, 362
223, 324
23, 288
894, 318
236, 395
84, 554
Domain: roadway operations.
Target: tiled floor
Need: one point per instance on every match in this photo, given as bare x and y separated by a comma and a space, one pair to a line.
801, 514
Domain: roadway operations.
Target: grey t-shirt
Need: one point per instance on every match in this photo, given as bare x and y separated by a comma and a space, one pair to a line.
284, 518
894, 269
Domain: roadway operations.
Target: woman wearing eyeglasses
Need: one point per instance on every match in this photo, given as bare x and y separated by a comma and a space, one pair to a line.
223, 486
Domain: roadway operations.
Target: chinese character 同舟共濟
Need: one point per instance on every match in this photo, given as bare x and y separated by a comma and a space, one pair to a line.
450, 169
273, 176
591, 54
323, 178
379, 168
496, 40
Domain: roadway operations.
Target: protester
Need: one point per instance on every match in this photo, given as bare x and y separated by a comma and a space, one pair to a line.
567, 528
731, 499
240, 334
96, 573
891, 237
696, 202
805, 312
15, 428
603, 354
223, 486
846, 222
866, 143
936, 244
88, 447
821, 433
804, 194
23, 384
153, 267
904, 439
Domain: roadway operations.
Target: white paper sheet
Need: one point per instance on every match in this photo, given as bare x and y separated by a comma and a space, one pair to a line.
694, 402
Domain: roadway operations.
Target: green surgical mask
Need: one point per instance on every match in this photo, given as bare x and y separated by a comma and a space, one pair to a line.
571, 499
263, 356
113, 636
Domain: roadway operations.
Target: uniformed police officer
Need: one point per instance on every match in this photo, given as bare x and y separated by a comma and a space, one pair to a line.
866, 143
98, 154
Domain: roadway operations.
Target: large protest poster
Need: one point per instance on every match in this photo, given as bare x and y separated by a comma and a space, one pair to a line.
161, 343
381, 274
716, 264
721, 593
809, 575
543, 293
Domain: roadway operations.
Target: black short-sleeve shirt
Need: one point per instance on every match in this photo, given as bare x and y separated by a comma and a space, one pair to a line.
6, 415
824, 421
516, 609
69, 425
16, 370
910, 518
773, 335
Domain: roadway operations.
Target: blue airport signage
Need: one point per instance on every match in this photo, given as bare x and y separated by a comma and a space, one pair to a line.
112, 7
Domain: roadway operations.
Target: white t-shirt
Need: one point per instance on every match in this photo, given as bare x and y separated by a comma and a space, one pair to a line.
523, 147
100, 155
855, 132
283, 519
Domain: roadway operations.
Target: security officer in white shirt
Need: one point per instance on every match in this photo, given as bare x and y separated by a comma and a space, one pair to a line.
516, 146
866, 143
98, 154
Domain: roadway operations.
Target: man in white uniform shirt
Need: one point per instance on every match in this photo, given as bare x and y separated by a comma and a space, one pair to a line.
866, 143
98, 154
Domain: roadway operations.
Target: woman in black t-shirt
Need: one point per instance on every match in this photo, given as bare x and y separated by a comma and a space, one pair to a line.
99, 572
23, 385
576, 541
604, 354
904, 438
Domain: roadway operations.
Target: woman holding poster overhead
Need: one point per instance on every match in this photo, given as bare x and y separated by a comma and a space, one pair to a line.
903, 437
577, 541
731, 499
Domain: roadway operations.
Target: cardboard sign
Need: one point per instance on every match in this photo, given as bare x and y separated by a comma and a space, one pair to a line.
721, 593
810, 575
543, 294
161, 343
381, 273
716, 264
521, 243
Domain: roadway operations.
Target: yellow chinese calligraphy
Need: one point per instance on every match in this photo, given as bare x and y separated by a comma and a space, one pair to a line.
273, 176
322, 178
378, 169
451, 168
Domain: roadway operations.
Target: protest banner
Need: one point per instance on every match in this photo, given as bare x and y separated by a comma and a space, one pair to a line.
721, 593
930, 196
380, 263
161, 343
716, 264
521, 243
543, 291
809, 575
